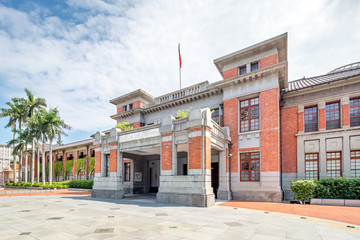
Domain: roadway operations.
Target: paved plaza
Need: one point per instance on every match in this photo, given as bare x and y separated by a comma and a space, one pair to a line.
81, 217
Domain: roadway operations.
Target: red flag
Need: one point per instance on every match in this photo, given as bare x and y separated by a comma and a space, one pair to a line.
180, 57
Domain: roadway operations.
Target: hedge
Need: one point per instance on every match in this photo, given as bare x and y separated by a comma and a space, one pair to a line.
87, 184
330, 188
337, 188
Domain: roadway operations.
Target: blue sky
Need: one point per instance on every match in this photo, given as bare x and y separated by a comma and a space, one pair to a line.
80, 54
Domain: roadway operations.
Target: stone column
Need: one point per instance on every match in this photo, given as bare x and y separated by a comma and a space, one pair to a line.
224, 187
108, 186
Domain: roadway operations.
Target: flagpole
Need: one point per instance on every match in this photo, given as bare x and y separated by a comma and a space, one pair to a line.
180, 63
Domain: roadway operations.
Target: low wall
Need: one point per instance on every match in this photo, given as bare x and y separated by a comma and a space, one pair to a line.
336, 202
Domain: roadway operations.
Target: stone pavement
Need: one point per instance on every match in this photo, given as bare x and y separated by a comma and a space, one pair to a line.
81, 217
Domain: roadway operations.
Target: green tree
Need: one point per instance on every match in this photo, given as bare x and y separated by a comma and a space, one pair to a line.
52, 127
33, 104
13, 112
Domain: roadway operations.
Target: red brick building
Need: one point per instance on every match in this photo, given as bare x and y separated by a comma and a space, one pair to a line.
245, 137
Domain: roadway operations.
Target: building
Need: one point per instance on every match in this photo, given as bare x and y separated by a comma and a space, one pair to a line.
228, 146
244, 137
6, 158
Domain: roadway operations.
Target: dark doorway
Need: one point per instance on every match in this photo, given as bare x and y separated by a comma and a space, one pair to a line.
215, 177
153, 175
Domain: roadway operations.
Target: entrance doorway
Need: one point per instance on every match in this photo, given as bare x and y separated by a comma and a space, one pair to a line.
154, 174
215, 177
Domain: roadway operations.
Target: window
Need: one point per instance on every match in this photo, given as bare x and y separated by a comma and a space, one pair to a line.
355, 163
311, 122
332, 115
215, 115
250, 166
254, 66
125, 108
312, 166
249, 115
127, 172
354, 112
242, 70
130, 106
333, 164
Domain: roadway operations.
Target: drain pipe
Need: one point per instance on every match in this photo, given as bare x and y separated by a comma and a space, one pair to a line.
229, 156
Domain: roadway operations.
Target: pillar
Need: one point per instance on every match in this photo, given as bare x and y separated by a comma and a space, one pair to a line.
301, 118
345, 112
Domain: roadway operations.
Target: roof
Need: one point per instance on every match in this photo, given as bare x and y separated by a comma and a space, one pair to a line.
131, 95
322, 79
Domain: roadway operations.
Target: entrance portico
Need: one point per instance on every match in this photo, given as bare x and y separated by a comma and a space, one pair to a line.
172, 158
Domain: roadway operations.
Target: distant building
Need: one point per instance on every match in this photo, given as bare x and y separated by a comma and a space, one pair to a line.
6, 157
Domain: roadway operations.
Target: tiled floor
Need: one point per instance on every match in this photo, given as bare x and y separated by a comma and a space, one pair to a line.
81, 217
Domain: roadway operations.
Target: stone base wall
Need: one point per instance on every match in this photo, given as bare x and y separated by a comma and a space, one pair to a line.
112, 194
224, 195
195, 200
262, 196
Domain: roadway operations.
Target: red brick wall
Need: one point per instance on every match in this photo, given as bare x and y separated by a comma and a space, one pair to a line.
136, 125
322, 119
249, 149
119, 110
97, 160
230, 73
76, 156
300, 121
289, 145
166, 155
207, 150
138, 104
268, 61
345, 115
269, 142
64, 161
195, 152
113, 160
231, 113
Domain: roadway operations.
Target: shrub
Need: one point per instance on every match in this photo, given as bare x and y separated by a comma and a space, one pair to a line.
86, 184
303, 189
338, 188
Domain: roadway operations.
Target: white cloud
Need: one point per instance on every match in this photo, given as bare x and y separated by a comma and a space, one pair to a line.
111, 48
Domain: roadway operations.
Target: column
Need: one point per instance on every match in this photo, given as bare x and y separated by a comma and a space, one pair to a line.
224, 186
74, 166
64, 163
87, 161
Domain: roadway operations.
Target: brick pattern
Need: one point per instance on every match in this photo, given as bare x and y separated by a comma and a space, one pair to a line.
113, 160
136, 125
64, 163
268, 61
166, 155
289, 145
230, 73
76, 156
269, 142
119, 109
249, 149
322, 119
98, 162
231, 119
195, 152
138, 104
207, 152
300, 121
345, 115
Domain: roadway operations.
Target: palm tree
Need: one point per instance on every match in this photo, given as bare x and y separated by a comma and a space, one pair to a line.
53, 127
14, 114
33, 104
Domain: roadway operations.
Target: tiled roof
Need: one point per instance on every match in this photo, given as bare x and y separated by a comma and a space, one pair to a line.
323, 79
